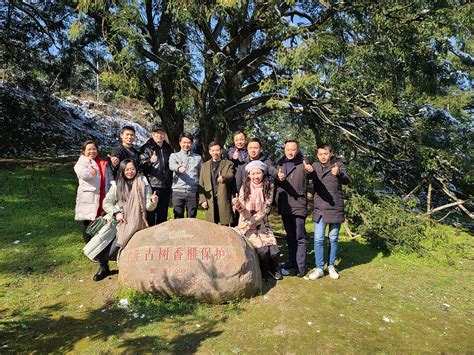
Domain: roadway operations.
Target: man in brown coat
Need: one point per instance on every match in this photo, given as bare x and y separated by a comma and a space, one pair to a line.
215, 186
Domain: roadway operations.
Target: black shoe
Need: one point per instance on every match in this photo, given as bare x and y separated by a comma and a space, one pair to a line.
275, 274
274, 270
103, 272
301, 272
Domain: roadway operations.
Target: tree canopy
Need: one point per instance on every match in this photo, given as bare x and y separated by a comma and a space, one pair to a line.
387, 81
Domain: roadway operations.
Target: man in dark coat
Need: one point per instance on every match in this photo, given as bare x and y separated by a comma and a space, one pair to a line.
215, 186
125, 150
291, 202
329, 175
254, 149
154, 157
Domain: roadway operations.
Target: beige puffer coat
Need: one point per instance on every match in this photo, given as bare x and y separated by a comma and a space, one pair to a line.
88, 191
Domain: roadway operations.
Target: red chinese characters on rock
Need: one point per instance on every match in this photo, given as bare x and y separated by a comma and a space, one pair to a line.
162, 253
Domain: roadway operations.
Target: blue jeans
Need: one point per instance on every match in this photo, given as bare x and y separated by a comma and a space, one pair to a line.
319, 229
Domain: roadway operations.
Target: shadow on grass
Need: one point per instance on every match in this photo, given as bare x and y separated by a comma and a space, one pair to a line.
353, 253
43, 332
350, 253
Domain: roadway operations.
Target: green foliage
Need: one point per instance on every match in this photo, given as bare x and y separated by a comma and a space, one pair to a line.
389, 225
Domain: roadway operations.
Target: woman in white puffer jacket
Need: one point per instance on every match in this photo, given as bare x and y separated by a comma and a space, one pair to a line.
95, 178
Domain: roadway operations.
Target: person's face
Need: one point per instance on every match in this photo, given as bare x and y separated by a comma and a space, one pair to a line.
215, 152
159, 136
291, 148
130, 171
239, 140
324, 155
185, 144
254, 150
90, 151
256, 176
127, 137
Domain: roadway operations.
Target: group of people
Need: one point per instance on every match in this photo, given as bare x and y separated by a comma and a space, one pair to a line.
237, 190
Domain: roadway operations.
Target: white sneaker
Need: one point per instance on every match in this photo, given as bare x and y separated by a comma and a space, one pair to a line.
332, 272
316, 274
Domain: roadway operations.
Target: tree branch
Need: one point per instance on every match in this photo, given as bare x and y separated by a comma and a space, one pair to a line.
452, 204
211, 41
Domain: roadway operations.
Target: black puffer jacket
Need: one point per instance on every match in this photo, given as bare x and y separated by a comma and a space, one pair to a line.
291, 193
328, 198
158, 174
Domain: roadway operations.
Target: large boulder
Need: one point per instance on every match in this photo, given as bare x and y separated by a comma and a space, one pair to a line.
191, 258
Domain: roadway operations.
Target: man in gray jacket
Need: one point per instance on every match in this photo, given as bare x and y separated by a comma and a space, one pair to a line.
186, 166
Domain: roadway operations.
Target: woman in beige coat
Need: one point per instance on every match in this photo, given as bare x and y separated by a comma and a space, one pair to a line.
253, 203
95, 178
128, 200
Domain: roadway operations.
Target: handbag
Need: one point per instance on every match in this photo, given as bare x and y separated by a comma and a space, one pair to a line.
101, 240
94, 227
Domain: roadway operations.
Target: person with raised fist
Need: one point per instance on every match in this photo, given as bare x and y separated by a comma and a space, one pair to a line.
154, 161
291, 201
186, 166
95, 177
238, 153
216, 185
128, 200
329, 175
126, 150
254, 202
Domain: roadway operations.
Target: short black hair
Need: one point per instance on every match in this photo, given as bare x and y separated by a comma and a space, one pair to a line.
237, 133
292, 141
213, 143
127, 128
324, 146
256, 140
186, 135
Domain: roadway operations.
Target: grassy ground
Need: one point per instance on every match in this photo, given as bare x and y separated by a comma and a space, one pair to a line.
382, 303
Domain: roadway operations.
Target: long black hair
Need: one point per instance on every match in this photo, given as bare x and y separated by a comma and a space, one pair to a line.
267, 187
122, 188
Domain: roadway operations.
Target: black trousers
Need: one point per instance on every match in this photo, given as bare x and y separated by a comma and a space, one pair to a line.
160, 214
109, 253
295, 240
185, 201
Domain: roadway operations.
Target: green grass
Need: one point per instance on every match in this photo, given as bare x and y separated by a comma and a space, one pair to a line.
48, 302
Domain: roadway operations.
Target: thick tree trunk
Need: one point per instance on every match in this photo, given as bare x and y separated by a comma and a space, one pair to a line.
209, 131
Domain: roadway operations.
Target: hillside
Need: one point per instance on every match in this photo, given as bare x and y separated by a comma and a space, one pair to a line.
35, 125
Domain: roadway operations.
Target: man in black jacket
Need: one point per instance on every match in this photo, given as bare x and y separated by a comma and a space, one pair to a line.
154, 157
291, 201
254, 150
329, 175
125, 150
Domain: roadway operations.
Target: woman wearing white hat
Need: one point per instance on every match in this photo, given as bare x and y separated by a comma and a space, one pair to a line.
253, 203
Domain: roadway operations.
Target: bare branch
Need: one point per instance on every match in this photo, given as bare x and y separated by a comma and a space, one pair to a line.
452, 204
415, 190
453, 197
211, 41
